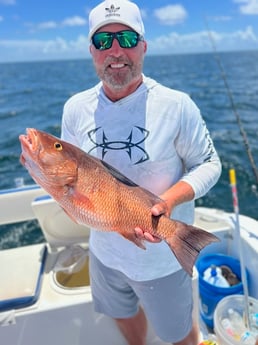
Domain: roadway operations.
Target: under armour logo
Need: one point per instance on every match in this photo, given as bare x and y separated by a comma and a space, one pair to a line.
127, 145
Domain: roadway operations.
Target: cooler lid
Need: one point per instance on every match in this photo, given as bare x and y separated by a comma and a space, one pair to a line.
21, 276
57, 226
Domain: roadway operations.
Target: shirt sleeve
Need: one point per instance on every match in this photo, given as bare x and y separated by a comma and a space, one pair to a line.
197, 151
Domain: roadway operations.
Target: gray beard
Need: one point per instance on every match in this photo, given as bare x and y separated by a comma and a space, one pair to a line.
119, 79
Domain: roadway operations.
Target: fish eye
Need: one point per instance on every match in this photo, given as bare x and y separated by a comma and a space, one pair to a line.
58, 146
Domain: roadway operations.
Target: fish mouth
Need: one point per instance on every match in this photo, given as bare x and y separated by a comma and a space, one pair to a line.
31, 140
29, 144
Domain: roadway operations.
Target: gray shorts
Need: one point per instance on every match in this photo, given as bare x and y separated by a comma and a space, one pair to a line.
167, 301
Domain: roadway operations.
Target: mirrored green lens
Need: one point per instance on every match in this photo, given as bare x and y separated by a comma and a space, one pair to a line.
126, 39
102, 40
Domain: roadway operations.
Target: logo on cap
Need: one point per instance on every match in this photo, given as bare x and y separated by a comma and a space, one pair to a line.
112, 11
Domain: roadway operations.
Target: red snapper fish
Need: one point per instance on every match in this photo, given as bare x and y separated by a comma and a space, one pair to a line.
95, 194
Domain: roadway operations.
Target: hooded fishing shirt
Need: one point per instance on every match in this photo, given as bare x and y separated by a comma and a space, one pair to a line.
156, 137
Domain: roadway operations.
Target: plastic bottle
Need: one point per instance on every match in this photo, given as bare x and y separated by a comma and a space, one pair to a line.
237, 322
226, 324
213, 276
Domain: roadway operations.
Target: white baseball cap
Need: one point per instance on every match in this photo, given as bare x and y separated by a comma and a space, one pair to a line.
115, 11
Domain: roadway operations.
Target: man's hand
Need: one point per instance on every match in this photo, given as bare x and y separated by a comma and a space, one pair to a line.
157, 210
175, 195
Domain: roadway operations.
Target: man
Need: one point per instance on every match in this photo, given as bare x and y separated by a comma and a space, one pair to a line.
157, 137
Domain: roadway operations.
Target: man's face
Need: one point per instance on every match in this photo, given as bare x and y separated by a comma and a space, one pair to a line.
119, 68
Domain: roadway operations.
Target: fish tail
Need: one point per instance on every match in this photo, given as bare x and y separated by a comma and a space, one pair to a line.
187, 242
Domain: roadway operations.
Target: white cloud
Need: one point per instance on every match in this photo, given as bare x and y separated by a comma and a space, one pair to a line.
171, 14
68, 22
31, 50
176, 43
237, 39
74, 21
60, 48
20, 44
54, 46
247, 35
248, 7
200, 42
47, 25
80, 44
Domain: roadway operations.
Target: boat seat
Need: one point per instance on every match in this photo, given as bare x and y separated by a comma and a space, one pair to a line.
57, 226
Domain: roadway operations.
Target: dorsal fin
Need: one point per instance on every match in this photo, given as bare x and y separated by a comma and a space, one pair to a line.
119, 176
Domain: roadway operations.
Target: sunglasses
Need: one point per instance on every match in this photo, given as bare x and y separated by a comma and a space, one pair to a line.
125, 38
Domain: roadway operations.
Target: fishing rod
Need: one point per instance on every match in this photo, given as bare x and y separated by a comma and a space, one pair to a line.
233, 106
233, 183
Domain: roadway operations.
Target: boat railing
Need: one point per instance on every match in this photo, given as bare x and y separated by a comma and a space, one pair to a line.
15, 203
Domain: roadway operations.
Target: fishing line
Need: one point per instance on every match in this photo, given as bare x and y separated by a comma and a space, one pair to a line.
232, 103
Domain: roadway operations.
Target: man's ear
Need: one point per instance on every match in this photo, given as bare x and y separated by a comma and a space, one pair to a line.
145, 46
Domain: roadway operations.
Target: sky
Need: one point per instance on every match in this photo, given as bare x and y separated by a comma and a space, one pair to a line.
32, 30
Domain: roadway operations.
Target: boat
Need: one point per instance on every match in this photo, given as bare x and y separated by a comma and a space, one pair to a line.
45, 294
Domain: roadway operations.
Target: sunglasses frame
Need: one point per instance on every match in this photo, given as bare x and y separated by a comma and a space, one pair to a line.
115, 35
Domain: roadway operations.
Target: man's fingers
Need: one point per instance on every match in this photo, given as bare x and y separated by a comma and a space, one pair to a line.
144, 235
139, 233
151, 238
157, 210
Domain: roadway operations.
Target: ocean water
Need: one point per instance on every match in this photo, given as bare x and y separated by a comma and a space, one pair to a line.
33, 95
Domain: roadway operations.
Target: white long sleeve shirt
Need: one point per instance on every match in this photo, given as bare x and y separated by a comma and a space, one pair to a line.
156, 137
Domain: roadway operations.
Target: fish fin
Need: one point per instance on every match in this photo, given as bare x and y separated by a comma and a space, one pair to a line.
145, 194
150, 198
79, 199
187, 242
133, 238
118, 175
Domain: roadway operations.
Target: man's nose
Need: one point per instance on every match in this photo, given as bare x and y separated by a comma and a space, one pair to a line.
116, 49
